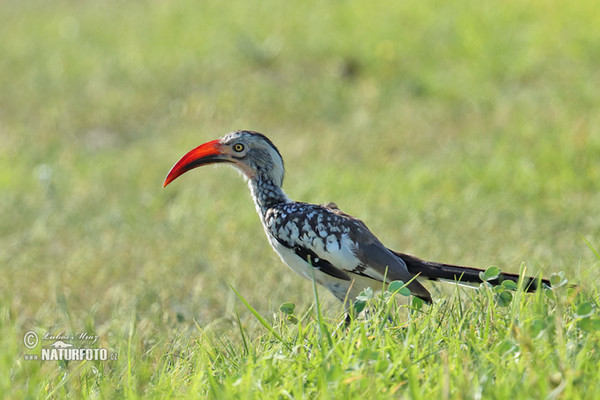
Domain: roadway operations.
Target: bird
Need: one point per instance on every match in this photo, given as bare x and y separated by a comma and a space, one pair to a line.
321, 242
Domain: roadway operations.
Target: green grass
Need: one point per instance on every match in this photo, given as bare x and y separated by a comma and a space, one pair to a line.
460, 132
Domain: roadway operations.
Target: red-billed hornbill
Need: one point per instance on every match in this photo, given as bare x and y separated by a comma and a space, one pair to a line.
321, 241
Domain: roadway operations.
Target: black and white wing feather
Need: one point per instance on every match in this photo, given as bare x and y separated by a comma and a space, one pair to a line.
335, 244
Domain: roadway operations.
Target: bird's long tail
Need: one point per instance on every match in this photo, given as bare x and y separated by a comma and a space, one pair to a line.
456, 273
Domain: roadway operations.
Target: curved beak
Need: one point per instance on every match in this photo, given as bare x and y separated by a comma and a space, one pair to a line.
207, 153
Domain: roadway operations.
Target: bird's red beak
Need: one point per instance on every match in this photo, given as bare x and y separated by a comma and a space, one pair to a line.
207, 153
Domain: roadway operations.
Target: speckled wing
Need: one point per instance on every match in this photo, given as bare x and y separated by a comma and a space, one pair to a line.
336, 243
315, 234
377, 261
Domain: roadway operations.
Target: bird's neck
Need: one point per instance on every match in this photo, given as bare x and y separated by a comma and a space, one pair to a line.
266, 194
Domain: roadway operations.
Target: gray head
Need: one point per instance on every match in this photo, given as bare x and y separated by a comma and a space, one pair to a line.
251, 152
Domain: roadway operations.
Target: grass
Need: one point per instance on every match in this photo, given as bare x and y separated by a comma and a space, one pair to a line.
460, 132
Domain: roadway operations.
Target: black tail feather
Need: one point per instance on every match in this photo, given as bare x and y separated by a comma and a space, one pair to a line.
457, 273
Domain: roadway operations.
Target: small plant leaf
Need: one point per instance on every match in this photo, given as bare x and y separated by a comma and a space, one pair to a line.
395, 286
504, 298
584, 309
398, 287
510, 285
287, 308
365, 295
417, 303
589, 324
490, 274
557, 280
359, 306
537, 327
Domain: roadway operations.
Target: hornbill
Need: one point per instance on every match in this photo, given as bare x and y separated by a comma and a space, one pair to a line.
320, 241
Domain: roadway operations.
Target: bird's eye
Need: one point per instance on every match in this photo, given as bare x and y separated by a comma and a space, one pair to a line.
238, 147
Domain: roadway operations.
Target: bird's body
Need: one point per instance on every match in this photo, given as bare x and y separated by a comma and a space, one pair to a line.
318, 242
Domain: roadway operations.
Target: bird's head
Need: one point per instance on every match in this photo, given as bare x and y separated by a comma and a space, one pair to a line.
251, 152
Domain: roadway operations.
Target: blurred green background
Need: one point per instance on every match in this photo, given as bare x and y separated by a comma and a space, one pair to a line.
458, 131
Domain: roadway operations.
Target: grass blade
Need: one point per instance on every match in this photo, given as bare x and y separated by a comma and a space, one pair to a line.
323, 331
260, 318
244, 342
